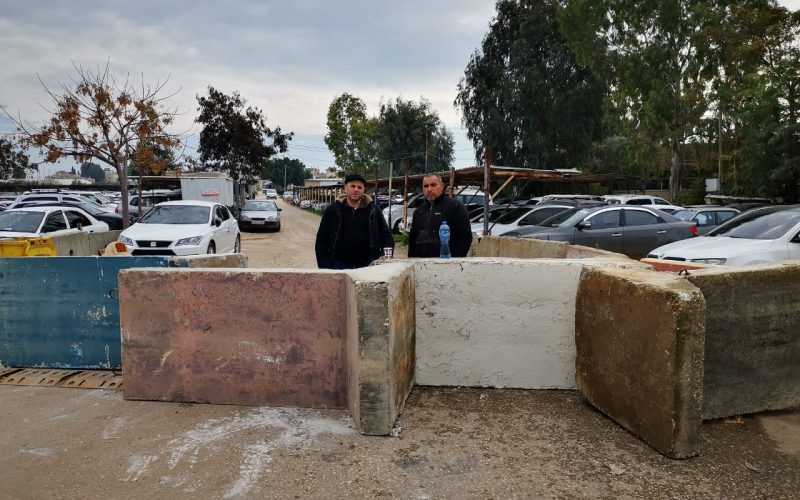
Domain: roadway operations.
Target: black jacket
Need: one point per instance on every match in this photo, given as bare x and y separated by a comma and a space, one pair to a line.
423, 240
330, 229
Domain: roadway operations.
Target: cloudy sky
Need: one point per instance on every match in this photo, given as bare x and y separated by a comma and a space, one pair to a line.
288, 58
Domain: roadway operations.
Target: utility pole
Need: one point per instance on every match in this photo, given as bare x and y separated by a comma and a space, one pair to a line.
390, 196
426, 149
284, 178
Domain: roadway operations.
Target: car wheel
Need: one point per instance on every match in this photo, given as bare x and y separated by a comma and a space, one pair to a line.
278, 227
396, 228
237, 247
212, 249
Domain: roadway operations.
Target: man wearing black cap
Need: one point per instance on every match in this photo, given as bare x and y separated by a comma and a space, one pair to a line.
353, 232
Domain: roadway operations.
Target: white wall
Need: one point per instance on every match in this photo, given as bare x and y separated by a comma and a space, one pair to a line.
488, 322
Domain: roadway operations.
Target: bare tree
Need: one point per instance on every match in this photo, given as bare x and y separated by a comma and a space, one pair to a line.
95, 116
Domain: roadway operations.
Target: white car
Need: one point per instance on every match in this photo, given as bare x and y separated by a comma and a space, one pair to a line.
48, 221
184, 228
270, 193
763, 236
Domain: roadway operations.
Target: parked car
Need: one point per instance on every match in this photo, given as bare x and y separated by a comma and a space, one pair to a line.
630, 230
97, 197
260, 214
49, 221
184, 228
396, 217
113, 220
505, 219
271, 194
634, 199
54, 196
760, 236
706, 218
139, 204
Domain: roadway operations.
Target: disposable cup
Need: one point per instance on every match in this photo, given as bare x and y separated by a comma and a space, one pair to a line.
388, 252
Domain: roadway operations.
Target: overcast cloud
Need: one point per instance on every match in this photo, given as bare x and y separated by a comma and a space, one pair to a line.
288, 58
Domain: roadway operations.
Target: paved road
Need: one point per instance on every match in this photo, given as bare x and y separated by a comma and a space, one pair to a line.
293, 245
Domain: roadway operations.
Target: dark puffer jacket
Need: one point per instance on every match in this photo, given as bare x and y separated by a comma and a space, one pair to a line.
423, 239
330, 229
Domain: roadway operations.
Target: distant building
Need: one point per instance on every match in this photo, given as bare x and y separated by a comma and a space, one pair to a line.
63, 178
111, 175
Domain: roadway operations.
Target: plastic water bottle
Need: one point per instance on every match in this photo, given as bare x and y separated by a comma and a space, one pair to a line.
444, 238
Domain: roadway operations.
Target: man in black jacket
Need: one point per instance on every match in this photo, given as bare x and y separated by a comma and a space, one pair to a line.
352, 232
423, 240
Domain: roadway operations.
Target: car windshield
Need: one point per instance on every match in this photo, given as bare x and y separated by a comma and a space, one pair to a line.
567, 218
684, 214
91, 208
176, 214
507, 217
20, 222
759, 225
260, 206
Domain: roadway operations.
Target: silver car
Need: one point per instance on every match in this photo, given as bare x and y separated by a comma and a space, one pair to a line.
260, 214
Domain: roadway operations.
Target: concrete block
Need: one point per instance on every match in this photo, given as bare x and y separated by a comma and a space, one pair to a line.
752, 339
639, 353
380, 345
216, 261
524, 248
234, 336
485, 322
83, 244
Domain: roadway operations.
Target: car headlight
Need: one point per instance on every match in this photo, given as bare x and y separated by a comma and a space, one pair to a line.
127, 241
245, 218
194, 240
719, 261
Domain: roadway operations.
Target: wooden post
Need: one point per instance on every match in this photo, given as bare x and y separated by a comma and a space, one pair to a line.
487, 161
405, 196
452, 187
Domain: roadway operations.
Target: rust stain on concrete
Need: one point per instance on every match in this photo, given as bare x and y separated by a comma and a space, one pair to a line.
235, 337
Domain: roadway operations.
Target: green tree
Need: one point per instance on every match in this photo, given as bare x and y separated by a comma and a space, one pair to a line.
97, 117
236, 139
13, 160
404, 127
657, 58
294, 170
351, 134
525, 95
94, 171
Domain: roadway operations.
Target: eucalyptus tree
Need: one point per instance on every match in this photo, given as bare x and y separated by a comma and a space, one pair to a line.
524, 93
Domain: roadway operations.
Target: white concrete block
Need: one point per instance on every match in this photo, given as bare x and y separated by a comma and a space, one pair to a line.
497, 322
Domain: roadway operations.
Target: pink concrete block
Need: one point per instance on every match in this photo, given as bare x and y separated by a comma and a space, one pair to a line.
234, 337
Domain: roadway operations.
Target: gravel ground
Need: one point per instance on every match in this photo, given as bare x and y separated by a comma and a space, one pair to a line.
464, 443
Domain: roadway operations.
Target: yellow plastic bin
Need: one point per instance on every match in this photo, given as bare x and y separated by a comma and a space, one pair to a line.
27, 247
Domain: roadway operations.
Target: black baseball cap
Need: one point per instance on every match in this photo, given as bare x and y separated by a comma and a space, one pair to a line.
355, 177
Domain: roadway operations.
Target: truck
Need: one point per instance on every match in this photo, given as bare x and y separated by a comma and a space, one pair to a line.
218, 188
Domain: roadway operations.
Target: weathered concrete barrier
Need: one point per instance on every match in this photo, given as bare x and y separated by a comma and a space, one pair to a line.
63, 312
485, 322
639, 360
234, 336
752, 347
530, 248
80, 244
380, 345
281, 337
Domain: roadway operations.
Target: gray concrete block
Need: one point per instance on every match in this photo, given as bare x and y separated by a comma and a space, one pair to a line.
639, 354
752, 346
380, 345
